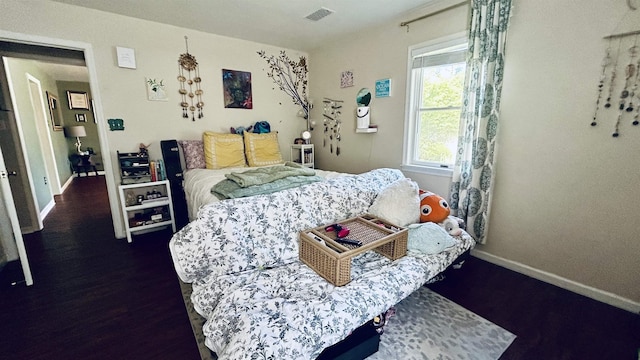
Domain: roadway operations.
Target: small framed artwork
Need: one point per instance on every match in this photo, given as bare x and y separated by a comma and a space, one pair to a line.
236, 86
156, 90
346, 79
81, 117
126, 57
78, 100
383, 88
54, 111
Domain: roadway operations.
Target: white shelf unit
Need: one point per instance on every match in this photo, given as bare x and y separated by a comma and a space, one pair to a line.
303, 154
142, 214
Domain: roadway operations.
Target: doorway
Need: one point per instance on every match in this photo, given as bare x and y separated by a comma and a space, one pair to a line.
15, 148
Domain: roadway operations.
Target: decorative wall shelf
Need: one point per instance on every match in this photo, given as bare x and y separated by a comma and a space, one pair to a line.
367, 130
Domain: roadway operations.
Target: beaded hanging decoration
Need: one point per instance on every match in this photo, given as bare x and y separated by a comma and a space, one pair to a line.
629, 96
332, 124
603, 76
635, 93
190, 86
612, 79
630, 72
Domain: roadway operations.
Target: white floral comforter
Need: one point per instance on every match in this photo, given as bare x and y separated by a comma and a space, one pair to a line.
198, 183
260, 301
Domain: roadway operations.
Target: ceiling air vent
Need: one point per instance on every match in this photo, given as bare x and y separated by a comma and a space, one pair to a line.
319, 14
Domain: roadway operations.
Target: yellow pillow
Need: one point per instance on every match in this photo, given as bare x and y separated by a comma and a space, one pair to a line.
262, 149
223, 150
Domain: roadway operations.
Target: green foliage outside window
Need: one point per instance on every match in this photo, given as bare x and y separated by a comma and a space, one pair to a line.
440, 112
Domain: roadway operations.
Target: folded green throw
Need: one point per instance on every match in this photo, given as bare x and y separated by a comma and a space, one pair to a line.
269, 174
227, 189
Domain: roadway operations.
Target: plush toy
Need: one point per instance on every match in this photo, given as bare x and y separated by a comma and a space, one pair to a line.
433, 208
241, 129
428, 238
453, 225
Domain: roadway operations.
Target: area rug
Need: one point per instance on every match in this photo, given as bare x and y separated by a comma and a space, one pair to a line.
430, 326
426, 326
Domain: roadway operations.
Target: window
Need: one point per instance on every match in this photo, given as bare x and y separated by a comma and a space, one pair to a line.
436, 82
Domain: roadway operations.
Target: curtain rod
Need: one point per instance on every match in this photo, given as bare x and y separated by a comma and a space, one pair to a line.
622, 34
406, 23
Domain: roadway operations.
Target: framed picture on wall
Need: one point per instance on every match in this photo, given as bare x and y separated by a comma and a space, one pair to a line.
54, 112
78, 100
236, 86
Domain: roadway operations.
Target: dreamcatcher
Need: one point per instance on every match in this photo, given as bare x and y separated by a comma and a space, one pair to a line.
190, 87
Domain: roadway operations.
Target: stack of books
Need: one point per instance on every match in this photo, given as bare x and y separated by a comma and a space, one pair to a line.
158, 171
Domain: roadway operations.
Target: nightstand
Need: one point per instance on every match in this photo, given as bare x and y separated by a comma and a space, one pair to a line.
303, 154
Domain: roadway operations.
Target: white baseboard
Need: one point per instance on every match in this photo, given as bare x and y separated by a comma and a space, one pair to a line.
578, 288
66, 184
47, 209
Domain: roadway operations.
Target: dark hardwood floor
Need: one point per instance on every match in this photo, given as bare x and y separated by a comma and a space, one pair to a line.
94, 296
97, 297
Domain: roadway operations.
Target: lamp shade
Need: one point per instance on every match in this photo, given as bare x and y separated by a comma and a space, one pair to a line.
76, 131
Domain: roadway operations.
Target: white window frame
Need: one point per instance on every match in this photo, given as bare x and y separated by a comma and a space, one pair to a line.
409, 161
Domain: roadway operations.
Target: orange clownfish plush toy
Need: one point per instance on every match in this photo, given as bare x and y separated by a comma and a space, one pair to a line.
433, 208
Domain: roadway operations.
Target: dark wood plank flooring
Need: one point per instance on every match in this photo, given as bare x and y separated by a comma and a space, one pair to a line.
97, 297
94, 296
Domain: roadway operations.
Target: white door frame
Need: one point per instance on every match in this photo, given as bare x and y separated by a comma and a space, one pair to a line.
10, 206
118, 224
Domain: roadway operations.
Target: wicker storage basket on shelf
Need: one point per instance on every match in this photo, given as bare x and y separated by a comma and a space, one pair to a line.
332, 260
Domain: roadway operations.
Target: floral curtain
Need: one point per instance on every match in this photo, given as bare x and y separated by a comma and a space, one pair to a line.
474, 170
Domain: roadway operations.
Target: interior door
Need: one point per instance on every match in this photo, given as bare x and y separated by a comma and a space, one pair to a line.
42, 127
11, 240
14, 161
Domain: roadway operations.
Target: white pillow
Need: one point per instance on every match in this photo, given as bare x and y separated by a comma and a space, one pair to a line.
399, 203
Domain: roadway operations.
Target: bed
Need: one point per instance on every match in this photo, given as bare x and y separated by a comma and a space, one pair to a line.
259, 300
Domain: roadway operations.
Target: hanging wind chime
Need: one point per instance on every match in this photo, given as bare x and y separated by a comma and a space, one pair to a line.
190, 86
629, 97
332, 124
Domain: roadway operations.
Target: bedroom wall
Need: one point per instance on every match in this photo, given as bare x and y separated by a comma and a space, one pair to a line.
566, 191
372, 55
157, 48
564, 208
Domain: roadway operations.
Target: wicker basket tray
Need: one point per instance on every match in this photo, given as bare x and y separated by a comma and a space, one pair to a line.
332, 260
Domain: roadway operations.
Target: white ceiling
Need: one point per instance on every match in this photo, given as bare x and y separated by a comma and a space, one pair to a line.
276, 22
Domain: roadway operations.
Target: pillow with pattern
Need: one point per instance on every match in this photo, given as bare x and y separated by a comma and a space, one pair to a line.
193, 152
223, 150
262, 149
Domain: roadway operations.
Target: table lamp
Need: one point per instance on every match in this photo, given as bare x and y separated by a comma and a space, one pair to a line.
77, 131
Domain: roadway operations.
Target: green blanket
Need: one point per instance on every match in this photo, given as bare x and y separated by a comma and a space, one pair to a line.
228, 189
264, 180
269, 174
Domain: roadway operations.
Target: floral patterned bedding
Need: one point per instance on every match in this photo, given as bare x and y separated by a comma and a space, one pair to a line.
260, 301
198, 183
